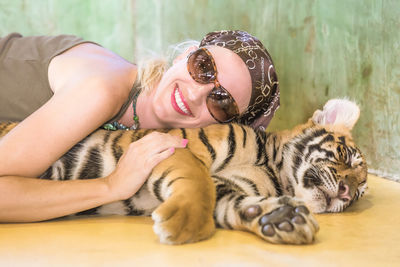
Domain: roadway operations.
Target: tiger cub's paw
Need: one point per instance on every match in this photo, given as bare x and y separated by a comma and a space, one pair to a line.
177, 221
281, 220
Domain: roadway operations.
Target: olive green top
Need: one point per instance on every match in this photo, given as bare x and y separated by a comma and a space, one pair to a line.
24, 83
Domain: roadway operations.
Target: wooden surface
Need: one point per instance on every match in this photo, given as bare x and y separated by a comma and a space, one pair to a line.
367, 234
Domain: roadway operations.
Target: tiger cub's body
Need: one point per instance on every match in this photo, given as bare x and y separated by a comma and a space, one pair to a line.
234, 177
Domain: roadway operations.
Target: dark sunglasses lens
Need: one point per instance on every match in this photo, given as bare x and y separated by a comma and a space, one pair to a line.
201, 66
221, 105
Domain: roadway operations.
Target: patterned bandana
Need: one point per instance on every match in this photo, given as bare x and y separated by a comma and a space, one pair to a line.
264, 99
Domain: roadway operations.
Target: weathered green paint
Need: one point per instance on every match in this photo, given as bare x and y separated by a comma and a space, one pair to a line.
322, 49
107, 22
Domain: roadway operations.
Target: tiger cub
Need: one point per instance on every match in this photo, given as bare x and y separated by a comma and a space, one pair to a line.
234, 177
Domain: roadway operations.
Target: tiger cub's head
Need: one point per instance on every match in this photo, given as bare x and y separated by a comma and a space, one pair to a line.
324, 166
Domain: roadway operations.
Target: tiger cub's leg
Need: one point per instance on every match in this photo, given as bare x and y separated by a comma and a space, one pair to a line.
185, 187
275, 219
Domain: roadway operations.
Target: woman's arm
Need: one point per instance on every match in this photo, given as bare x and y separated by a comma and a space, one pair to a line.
29, 199
32, 146
38, 141
24, 199
90, 85
88, 94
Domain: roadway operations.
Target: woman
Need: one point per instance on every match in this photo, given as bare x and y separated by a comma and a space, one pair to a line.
63, 88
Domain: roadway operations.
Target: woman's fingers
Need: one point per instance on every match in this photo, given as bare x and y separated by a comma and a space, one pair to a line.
161, 156
161, 147
164, 139
158, 142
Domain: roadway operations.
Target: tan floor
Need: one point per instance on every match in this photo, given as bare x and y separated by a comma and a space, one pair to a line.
367, 234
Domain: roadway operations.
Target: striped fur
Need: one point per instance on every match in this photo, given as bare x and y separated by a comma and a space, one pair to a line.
230, 176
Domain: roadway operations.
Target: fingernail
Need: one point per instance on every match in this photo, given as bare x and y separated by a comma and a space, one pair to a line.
172, 149
184, 142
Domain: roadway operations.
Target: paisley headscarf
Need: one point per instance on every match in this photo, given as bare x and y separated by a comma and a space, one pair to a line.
265, 94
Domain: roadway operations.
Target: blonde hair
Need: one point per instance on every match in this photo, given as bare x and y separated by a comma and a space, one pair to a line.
151, 69
150, 72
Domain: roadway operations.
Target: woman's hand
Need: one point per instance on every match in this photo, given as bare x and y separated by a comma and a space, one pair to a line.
138, 161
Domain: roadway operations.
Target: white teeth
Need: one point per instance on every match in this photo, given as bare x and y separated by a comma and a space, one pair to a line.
180, 102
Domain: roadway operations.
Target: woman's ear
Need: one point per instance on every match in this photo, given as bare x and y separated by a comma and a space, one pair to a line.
185, 53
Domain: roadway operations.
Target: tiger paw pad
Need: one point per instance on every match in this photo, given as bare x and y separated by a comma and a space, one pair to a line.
283, 219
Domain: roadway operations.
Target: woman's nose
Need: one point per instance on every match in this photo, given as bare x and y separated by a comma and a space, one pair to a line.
197, 93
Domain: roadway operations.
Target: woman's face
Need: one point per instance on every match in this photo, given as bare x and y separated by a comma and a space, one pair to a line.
180, 102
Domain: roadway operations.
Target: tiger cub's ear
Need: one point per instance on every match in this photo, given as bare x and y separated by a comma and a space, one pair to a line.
338, 112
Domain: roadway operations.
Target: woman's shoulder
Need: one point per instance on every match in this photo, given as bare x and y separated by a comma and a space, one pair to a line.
87, 64
96, 57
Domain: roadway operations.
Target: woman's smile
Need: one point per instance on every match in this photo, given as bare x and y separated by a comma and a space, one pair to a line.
178, 102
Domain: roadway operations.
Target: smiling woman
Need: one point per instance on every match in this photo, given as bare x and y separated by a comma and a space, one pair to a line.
64, 82
196, 102
230, 78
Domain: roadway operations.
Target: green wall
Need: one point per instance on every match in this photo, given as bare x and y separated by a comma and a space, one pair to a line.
322, 49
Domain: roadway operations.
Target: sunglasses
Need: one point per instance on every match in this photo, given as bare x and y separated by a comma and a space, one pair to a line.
220, 103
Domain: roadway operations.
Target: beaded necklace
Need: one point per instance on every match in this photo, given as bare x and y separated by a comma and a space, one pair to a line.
119, 126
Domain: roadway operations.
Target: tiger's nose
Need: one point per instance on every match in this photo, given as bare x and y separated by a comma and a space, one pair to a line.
344, 191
